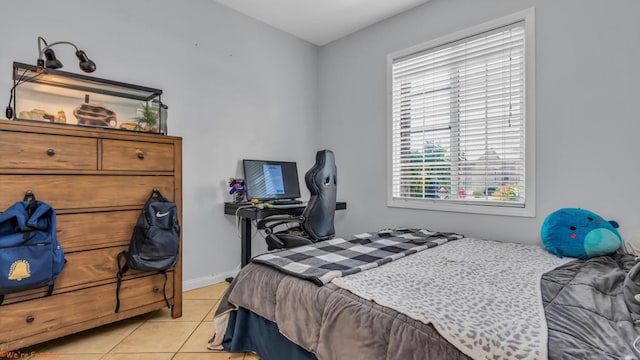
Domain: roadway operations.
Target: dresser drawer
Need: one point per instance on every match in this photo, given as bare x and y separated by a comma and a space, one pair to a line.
43, 151
96, 229
136, 155
87, 267
55, 312
84, 191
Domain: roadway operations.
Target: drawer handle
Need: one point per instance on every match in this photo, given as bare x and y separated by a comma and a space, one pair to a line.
140, 154
29, 319
156, 289
51, 152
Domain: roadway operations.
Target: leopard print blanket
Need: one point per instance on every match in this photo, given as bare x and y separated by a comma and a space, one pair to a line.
482, 296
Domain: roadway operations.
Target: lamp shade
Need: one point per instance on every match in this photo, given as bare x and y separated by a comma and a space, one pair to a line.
86, 64
51, 61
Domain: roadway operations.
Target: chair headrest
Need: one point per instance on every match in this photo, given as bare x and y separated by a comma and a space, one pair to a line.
323, 173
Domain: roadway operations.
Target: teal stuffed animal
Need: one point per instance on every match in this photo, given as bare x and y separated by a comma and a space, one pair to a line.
579, 233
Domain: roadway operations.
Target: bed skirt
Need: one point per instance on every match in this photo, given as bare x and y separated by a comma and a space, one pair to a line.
249, 332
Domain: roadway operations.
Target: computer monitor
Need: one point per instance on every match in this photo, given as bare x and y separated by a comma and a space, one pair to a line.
271, 180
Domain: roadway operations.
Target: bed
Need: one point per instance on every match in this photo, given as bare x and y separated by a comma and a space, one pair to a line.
433, 296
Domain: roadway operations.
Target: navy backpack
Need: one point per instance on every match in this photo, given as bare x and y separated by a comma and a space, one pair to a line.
30, 256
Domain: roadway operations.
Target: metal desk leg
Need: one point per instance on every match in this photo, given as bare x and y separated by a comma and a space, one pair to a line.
245, 239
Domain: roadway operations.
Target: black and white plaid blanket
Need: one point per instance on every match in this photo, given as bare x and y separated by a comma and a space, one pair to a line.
323, 261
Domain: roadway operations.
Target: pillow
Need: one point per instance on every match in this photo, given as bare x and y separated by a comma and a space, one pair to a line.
579, 233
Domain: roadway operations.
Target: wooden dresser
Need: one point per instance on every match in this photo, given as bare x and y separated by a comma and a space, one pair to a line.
97, 180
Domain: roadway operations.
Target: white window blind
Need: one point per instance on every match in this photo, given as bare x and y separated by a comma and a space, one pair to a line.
458, 121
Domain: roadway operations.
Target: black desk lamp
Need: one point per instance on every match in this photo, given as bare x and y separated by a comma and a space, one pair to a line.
53, 63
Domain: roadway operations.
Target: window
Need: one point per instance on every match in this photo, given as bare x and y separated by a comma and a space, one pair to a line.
461, 125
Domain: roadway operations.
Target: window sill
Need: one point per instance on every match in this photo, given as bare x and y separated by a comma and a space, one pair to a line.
528, 210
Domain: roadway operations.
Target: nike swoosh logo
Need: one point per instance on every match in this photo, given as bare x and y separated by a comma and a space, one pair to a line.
159, 214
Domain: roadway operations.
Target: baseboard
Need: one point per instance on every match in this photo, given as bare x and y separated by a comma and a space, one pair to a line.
207, 280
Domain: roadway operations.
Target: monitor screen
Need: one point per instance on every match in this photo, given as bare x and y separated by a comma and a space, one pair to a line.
270, 180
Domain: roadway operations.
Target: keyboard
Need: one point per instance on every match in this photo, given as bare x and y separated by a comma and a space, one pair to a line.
300, 204
286, 202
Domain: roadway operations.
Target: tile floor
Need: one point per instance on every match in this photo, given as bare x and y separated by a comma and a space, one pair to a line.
154, 336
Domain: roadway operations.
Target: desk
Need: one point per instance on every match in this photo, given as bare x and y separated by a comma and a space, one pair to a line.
248, 213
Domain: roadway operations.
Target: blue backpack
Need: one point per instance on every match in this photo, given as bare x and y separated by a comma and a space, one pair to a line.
30, 256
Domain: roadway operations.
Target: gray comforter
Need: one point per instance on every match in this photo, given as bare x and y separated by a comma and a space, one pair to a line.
587, 315
330, 322
586, 310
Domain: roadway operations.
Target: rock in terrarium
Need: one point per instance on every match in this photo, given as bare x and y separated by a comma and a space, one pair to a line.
95, 114
42, 115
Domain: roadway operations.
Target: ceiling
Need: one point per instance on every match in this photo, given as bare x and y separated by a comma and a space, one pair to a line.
320, 21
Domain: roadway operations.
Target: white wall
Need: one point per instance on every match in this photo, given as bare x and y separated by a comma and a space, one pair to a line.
236, 88
587, 122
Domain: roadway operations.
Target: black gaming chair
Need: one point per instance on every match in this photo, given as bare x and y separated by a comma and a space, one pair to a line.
316, 222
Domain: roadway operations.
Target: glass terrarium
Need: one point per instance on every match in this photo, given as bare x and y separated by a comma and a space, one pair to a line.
61, 97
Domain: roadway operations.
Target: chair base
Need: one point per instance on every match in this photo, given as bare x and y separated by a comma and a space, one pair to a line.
287, 239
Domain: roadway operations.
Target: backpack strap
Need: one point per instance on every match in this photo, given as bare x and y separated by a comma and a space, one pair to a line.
121, 270
29, 195
49, 293
31, 198
164, 289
